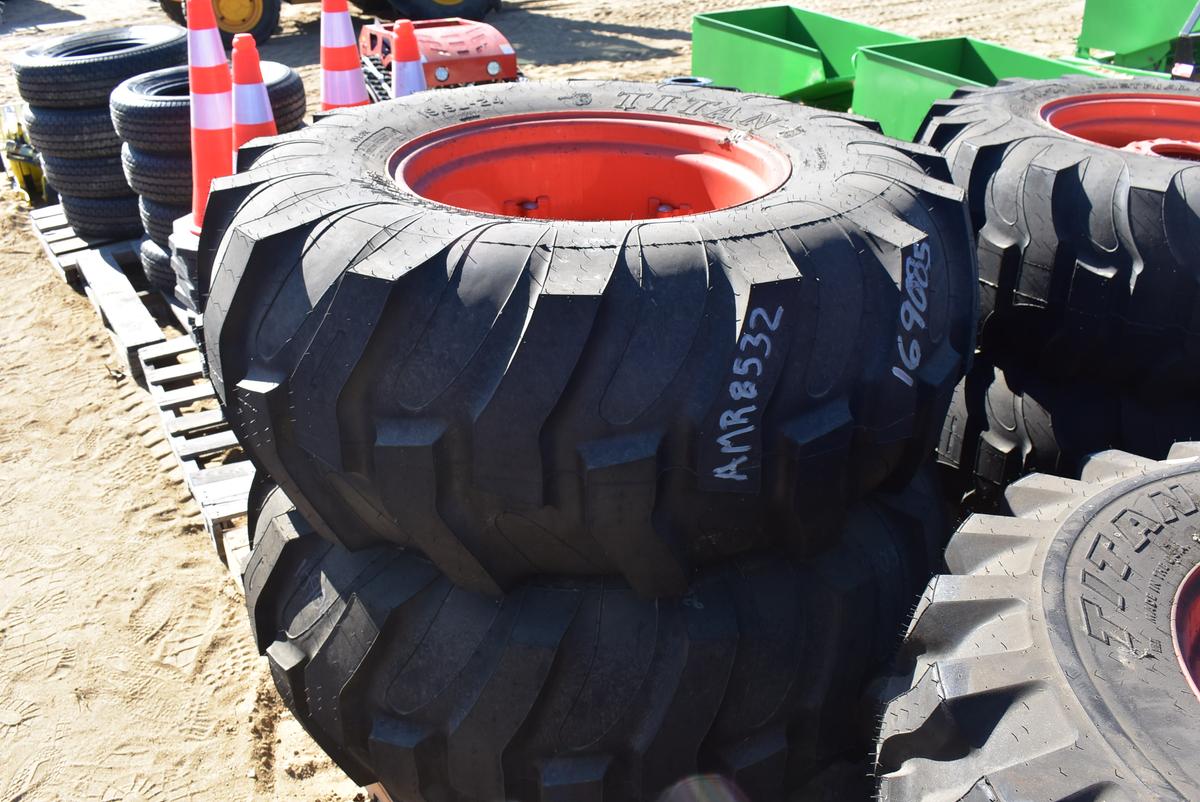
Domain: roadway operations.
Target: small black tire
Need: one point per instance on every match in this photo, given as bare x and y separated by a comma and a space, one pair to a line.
1005, 423
151, 112
86, 178
570, 688
433, 9
159, 220
103, 218
162, 177
587, 438
1044, 666
81, 70
156, 264
71, 133
1087, 253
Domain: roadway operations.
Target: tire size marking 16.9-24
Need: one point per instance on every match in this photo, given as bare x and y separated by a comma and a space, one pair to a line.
732, 444
912, 313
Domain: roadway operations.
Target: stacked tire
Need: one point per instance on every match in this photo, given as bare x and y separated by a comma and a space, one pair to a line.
151, 115
1084, 196
577, 495
66, 85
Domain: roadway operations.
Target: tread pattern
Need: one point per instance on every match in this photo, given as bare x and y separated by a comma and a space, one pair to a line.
517, 398
1086, 253
71, 133
68, 73
578, 689
160, 177
159, 220
1003, 424
987, 703
103, 217
87, 178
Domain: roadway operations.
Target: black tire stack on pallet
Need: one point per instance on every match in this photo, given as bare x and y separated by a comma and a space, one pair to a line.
66, 85
575, 510
151, 115
1089, 332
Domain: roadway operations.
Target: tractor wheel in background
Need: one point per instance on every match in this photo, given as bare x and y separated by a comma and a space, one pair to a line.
81, 70
115, 218
86, 178
159, 219
162, 177
555, 394
570, 688
1086, 198
1059, 661
156, 264
71, 133
259, 18
151, 112
1003, 424
435, 9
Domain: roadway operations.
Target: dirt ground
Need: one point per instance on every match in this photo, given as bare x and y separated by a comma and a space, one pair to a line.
126, 669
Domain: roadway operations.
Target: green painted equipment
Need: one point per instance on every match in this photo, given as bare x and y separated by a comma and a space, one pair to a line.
1133, 33
897, 83
782, 50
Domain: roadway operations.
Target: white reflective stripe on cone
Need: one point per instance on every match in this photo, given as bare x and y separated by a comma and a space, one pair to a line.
337, 30
205, 49
343, 86
251, 104
212, 112
407, 77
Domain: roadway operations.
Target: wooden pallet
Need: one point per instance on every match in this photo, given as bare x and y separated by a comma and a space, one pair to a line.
216, 470
60, 242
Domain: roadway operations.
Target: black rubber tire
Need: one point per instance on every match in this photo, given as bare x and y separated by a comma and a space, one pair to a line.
159, 219
156, 264
261, 32
71, 133
86, 178
151, 112
114, 218
578, 688
1044, 668
161, 177
81, 70
1003, 424
378, 8
1086, 253
553, 472
430, 9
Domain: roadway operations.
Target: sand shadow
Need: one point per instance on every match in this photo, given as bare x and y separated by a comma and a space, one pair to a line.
545, 39
32, 13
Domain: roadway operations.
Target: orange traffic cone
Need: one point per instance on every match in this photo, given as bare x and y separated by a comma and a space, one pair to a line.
408, 68
342, 81
212, 123
252, 114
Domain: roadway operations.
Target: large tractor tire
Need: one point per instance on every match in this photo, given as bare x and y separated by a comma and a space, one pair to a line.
81, 70
578, 688
1086, 199
1059, 660
1003, 424
259, 18
756, 317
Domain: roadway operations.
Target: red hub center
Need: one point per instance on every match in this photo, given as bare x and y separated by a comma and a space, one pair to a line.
1160, 125
589, 166
1185, 622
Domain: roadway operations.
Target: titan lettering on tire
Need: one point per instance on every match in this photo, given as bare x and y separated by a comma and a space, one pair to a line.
577, 688
755, 319
1058, 662
1085, 195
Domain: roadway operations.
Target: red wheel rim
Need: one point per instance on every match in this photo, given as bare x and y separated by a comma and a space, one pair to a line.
589, 166
1160, 125
1185, 623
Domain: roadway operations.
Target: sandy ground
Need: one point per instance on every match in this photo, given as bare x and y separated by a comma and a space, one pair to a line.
126, 670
